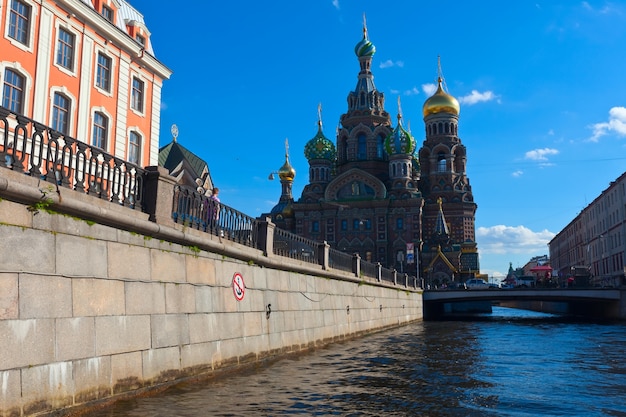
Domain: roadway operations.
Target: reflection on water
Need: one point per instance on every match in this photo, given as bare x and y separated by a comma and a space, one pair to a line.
509, 363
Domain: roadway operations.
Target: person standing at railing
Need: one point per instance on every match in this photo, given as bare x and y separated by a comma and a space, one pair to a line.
214, 204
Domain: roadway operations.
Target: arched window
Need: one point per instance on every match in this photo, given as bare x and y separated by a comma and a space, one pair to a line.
380, 147
61, 113
100, 130
134, 148
361, 152
442, 163
13, 91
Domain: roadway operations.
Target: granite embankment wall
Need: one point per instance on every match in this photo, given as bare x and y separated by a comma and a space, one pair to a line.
97, 302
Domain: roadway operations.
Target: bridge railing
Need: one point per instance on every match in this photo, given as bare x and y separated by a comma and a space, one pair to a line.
290, 245
341, 260
37, 150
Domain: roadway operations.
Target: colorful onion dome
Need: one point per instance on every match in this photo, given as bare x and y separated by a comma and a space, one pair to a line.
364, 47
400, 140
441, 102
320, 147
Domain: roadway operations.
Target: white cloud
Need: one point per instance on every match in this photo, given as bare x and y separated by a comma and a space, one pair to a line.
540, 154
477, 97
517, 173
616, 124
502, 239
412, 92
389, 63
429, 89
336, 4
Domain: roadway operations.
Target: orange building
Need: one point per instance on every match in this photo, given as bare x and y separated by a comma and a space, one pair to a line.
85, 68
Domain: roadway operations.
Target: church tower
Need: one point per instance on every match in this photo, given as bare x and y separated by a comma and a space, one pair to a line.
445, 186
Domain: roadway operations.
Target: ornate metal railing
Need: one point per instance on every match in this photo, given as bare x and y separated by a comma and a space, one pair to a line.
39, 151
296, 247
203, 213
340, 260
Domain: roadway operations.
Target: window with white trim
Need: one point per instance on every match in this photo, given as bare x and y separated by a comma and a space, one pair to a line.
65, 49
136, 101
103, 72
134, 148
13, 91
61, 113
100, 130
107, 12
19, 21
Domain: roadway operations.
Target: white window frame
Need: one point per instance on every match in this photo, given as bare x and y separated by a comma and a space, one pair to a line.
143, 137
72, 111
109, 127
28, 83
142, 111
33, 16
112, 71
72, 72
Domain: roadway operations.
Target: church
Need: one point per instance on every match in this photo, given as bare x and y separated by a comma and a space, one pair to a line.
374, 193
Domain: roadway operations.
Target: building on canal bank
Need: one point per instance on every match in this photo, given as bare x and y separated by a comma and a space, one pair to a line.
376, 193
592, 247
86, 69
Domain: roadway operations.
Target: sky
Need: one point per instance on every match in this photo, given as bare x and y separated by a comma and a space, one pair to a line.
541, 85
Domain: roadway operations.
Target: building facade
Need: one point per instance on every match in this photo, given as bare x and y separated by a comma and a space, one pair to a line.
591, 248
376, 194
87, 69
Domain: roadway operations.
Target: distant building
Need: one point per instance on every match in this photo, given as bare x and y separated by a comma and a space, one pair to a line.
592, 246
188, 168
377, 194
87, 70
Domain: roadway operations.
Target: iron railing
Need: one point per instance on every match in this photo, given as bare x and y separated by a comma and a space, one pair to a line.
296, 247
203, 213
32, 148
340, 260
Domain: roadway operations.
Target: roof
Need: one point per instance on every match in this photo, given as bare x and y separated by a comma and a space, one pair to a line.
540, 268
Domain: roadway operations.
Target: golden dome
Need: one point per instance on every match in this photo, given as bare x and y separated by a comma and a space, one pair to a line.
441, 102
287, 172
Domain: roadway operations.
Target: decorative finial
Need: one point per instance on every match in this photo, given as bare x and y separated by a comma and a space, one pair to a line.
440, 202
319, 115
364, 26
174, 131
399, 110
287, 148
440, 78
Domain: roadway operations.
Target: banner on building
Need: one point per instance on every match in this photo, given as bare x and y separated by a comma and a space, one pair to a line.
409, 253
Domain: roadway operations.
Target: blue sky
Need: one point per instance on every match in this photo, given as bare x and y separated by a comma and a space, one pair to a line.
541, 86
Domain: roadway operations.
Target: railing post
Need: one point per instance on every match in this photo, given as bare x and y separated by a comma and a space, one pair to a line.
395, 277
266, 236
158, 195
406, 280
379, 272
356, 265
324, 255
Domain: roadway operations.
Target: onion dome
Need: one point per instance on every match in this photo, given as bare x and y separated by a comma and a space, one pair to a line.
287, 172
320, 147
364, 47
400, 140
441, 102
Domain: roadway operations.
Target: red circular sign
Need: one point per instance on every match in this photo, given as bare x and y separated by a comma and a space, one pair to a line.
239, 288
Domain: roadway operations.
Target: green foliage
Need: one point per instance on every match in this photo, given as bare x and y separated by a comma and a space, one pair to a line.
43, 204
194, 249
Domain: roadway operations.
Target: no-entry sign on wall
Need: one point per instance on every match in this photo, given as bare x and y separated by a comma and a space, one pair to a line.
239, 288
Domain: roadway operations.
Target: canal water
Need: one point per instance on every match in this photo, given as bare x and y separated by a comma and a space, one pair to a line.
509, 363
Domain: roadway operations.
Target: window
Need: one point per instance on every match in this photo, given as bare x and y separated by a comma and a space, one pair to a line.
13, 91
61, 113
134, 148
100, 130
361, 152
19, 21
141, 40
315, 226
103, 75
137, 94
65, 49
344, 224
107, 12
399, 223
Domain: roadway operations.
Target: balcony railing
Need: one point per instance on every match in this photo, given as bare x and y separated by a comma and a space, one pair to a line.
39, 151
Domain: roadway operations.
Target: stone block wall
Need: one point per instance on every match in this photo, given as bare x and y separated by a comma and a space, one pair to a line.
91, 312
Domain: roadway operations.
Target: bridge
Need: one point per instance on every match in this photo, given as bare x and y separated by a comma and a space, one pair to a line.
606, 303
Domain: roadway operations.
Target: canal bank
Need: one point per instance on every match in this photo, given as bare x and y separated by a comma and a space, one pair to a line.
97, 310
